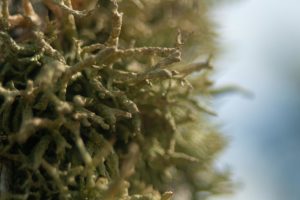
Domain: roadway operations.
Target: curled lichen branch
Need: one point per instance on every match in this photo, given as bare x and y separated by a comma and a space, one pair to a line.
113, 39
146, 51
14, 47
69, 10
194, 67
5, 14
30, 126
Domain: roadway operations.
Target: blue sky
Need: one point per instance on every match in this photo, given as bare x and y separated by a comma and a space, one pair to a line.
260, 43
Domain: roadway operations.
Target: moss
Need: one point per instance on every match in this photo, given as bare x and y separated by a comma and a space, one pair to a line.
97, 103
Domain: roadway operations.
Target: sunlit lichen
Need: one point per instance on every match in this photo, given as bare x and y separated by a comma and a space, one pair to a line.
95, 101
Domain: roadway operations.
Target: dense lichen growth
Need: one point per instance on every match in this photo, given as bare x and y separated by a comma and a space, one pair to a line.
95, 102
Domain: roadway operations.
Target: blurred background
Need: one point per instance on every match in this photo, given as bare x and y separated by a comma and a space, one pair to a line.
260, 43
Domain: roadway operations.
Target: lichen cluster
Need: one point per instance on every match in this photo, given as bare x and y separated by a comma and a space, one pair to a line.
96, 101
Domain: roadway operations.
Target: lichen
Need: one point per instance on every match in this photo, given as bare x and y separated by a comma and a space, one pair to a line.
97, 101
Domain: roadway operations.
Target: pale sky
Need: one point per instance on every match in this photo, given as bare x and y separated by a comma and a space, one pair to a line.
261, 52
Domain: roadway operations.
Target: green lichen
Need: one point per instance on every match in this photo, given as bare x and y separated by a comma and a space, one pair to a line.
97, 101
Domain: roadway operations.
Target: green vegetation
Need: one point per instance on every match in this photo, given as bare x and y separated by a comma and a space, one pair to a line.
97, 101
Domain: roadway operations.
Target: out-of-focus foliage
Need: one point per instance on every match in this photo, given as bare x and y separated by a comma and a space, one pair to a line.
95, 101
